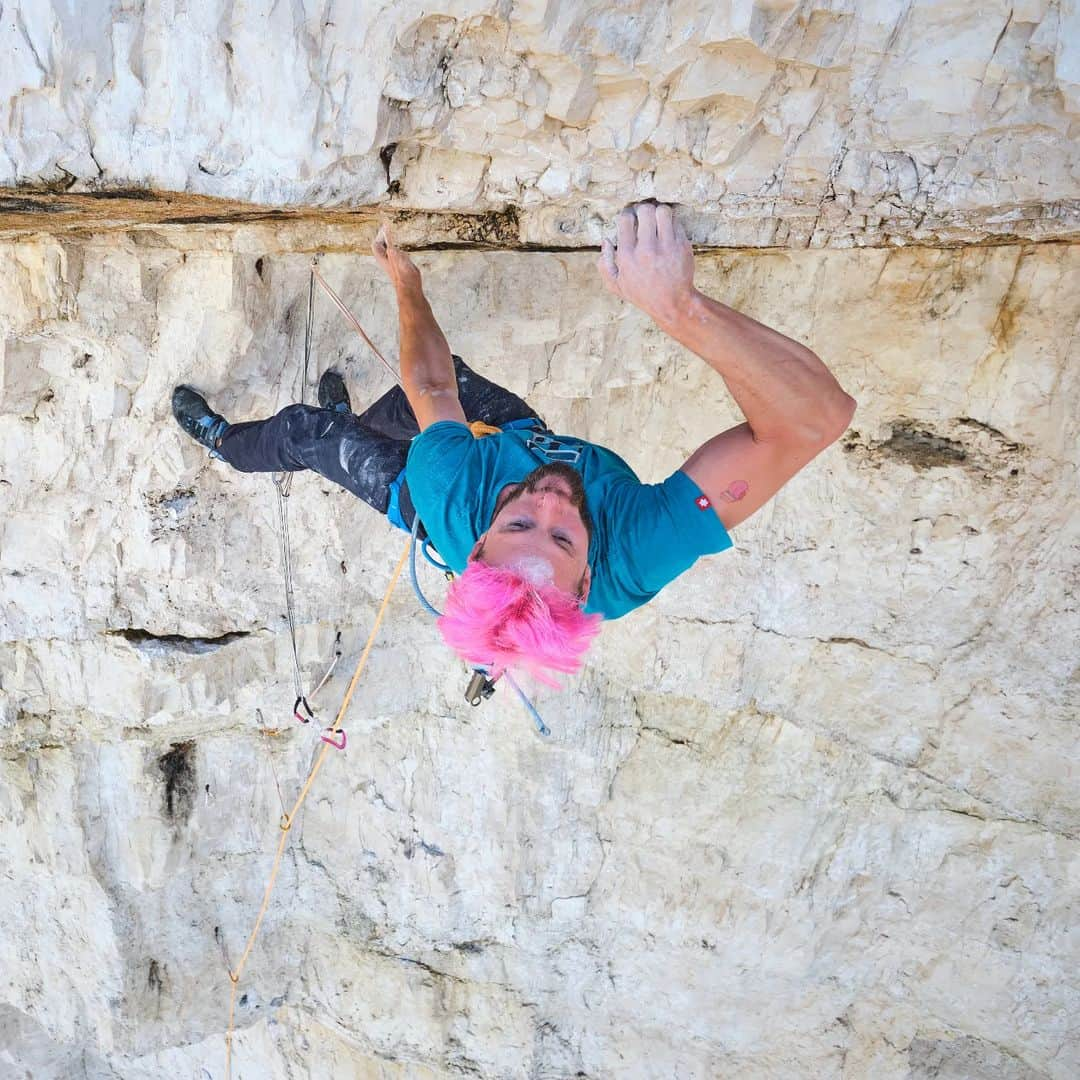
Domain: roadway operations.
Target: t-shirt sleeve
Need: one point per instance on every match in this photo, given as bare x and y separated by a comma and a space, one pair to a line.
445, 466
436, 458
661, 531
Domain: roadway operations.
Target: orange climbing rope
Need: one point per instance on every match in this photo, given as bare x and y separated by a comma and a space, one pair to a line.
479, 429
353, 321
328, 743
288, 818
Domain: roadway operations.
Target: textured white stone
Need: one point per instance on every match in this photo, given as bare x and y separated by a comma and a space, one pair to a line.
783, 124
811, 813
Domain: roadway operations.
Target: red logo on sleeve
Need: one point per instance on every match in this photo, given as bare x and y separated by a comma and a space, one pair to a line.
703, 502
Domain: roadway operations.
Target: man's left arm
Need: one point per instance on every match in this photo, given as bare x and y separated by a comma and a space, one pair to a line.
793, 405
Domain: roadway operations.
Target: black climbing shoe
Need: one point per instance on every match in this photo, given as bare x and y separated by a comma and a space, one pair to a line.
332, 392
197, 418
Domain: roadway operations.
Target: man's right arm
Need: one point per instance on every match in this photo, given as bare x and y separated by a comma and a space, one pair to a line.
427, 369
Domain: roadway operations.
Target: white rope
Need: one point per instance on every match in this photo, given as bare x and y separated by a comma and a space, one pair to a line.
283, 485
286, 568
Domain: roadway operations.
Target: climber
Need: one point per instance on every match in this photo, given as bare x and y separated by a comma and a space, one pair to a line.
550, 533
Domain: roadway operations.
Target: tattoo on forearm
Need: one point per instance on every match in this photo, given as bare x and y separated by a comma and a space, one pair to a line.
736, 490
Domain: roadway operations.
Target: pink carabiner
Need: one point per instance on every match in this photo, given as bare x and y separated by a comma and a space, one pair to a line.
325, 736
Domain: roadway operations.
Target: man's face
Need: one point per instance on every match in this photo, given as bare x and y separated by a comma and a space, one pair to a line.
541, 527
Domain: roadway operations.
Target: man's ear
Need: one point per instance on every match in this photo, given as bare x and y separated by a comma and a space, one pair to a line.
477, 550
586, 580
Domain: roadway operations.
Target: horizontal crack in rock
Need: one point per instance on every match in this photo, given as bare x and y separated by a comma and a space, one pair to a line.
146, 641
668, 737
122, 207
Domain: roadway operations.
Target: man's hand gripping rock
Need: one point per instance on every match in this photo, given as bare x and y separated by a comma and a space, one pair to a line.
652, 263
397, 266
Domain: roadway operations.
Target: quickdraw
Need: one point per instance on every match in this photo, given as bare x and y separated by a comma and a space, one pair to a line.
328, 737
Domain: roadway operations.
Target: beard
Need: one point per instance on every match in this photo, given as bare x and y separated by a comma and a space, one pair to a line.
554, 469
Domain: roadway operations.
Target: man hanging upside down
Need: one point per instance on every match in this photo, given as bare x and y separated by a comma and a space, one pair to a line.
549, 533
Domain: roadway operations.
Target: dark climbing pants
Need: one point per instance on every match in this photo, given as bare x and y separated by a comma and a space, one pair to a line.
364, 454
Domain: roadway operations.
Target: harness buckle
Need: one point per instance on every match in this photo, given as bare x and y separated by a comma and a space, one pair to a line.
480, 688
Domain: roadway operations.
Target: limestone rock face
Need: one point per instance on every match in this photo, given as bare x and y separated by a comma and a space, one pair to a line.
811, 813
787, 124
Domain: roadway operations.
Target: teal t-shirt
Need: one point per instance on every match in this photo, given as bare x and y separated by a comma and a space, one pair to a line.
644, 535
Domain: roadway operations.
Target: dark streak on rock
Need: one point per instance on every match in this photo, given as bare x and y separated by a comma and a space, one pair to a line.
386, 155
469, 946
224, 219
60, 183
1006, 444
135, 193
426, 967
179, 500
497, 228
409, 849
667, 736
966, 1056
9, 205
178, 768
970, 444
920, 448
